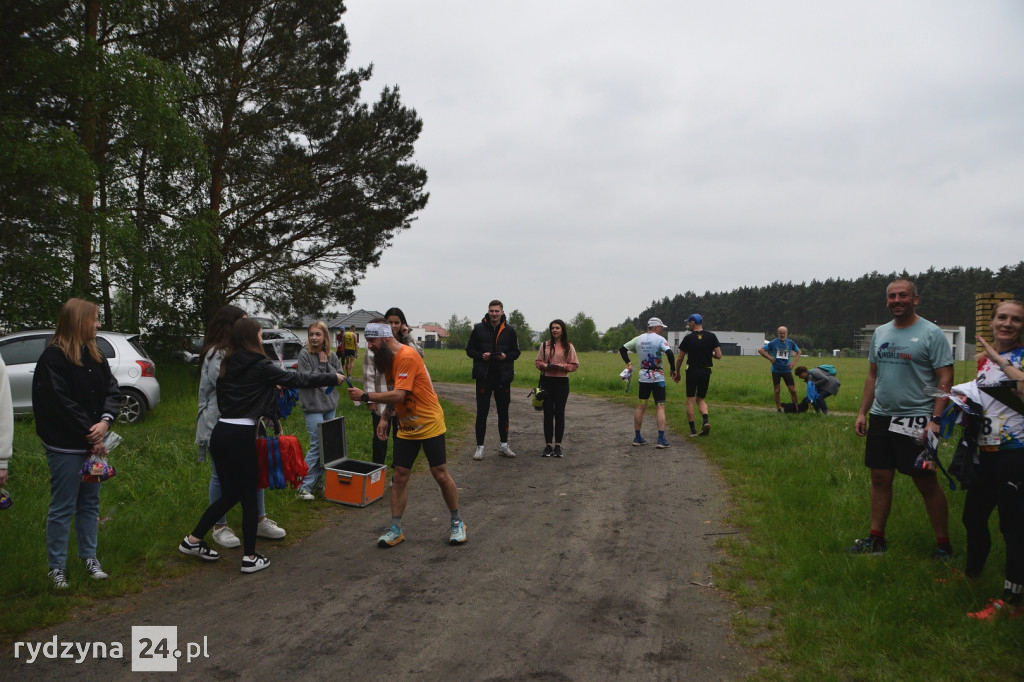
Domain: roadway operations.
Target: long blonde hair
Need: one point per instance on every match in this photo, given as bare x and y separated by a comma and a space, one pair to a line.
322, 326
71, 323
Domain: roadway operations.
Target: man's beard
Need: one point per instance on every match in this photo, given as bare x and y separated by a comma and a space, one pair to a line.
383, 358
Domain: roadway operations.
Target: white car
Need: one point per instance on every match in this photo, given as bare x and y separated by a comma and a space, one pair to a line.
134, 370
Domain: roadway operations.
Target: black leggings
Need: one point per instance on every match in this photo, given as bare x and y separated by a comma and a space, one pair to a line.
557, 389
233, 447
502, 398
992, 489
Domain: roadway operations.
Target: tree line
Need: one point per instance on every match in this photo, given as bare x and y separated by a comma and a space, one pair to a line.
828, 314
165, 157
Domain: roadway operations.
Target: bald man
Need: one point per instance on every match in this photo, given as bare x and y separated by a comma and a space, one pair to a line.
783, 354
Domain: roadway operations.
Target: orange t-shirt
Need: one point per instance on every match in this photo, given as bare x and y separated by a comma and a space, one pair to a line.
420, 416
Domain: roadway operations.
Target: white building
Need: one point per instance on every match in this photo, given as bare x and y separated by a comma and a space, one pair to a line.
733, 343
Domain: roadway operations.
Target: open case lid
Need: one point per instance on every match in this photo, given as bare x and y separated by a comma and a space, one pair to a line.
333, 443
1004, 393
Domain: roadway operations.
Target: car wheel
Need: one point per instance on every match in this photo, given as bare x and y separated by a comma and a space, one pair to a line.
133, 407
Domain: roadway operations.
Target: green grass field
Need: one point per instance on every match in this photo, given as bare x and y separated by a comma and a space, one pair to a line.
798, 487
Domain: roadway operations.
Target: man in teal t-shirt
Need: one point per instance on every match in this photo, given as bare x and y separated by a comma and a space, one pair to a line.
908, 356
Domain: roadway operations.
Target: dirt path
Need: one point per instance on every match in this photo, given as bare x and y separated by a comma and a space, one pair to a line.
587, 568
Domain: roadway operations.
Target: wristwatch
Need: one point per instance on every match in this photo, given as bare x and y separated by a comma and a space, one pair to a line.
108, 419
936, 419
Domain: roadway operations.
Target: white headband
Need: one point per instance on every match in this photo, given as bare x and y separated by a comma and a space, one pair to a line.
377, 330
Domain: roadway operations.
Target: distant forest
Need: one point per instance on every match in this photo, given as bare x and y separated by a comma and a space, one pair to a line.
827, 315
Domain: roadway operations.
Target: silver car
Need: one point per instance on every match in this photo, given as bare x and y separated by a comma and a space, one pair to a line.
134, 370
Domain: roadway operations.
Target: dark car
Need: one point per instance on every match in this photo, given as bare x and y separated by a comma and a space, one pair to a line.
282, 346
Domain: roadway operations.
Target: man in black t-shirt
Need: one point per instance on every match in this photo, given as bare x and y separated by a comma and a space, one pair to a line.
700, 348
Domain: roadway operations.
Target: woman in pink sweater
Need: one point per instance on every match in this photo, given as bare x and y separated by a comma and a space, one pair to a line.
555, 359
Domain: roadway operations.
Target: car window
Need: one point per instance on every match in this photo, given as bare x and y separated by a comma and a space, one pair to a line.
24, 350
137, 345
105, 348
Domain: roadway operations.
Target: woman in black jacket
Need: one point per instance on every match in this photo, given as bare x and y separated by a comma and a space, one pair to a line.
75, 398
245, 392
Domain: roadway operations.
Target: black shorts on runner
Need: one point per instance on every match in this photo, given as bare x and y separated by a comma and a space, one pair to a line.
885, 449
784, 376
406, 451
658, 389
349, 353
697, 380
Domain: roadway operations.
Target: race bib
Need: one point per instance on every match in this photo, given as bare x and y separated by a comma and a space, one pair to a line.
991, 431
782, 354
910, 426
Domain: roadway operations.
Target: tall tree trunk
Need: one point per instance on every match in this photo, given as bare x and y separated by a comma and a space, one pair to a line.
81, 284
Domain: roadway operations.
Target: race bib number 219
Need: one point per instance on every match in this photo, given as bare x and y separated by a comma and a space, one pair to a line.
909, 426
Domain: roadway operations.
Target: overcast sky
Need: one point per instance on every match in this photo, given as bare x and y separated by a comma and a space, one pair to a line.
597, 156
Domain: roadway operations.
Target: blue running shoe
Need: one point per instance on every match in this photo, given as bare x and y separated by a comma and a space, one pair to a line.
391, 538
639, 441
662, 443
458, 535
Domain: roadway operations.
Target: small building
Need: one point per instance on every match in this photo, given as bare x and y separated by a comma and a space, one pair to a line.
355, 321
732, 343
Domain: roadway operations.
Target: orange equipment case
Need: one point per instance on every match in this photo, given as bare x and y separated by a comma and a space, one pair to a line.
347, 481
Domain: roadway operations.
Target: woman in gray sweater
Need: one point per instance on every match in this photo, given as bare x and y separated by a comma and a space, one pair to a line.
318, 404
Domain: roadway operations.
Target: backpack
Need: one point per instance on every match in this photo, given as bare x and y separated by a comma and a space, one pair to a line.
828, 369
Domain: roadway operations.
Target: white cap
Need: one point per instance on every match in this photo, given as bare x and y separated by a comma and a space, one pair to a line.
656, 322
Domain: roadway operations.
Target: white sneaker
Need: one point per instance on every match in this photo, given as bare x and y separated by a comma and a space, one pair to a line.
305, 494
268, 529
479, 454
225, 537
505, 451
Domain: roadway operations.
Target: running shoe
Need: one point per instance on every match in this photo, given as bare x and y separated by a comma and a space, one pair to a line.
458, 535
639, 441
942, 554
558, 451
505, 451
705, 430
391, 538
304, 494
94, 569
662, 443
199, 549
479, 454
998, 609
869, 545
548, 451
257, 563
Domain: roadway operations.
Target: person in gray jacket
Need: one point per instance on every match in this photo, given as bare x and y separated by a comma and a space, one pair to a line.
318, 403
825, 385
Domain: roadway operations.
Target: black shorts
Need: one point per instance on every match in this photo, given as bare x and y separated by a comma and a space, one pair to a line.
349, 354
646, 389
406, 451
887, 450
697, 380
784, 376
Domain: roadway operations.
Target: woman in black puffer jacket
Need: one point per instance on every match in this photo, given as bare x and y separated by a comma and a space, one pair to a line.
246, 391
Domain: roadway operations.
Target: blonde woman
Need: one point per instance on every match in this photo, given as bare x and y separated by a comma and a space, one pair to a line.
318, 403
75, 399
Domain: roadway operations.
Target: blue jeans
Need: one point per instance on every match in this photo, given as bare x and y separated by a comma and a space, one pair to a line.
313, 420
215, 493
70, 496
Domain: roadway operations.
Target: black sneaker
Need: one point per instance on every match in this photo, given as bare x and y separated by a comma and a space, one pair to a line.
199, 549
869, 545
257, 563
558, 451
547, 451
